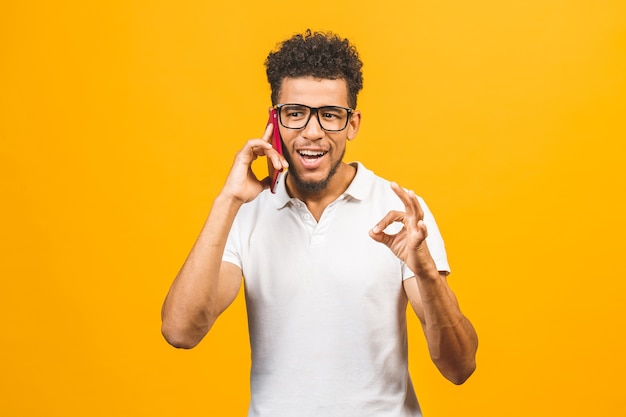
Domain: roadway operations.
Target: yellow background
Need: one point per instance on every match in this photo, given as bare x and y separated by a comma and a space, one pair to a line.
119, 121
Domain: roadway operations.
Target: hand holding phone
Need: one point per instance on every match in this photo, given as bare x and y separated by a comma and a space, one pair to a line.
274, 174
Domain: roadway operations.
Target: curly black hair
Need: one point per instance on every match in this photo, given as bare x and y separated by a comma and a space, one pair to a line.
315, 54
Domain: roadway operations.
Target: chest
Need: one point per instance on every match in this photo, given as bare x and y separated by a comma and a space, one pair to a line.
289, 257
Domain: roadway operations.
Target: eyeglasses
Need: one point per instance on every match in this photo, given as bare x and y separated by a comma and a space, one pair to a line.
330, 118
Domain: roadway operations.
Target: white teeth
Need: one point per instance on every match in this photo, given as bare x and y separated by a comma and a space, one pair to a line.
311, 153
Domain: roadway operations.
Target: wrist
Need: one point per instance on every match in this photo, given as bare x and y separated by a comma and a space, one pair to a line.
423, 264
227, 201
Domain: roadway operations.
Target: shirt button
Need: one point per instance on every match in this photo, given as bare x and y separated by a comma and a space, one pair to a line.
306, 217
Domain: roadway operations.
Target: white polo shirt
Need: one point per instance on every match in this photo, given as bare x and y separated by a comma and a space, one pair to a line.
326, 305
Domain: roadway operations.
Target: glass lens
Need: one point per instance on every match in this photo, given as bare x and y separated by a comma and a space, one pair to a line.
332, 118
296, 116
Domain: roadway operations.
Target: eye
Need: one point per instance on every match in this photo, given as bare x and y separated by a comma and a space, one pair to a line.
332, 113
294, 112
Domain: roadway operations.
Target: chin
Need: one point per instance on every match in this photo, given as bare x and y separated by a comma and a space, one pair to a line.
311, 185
315, 185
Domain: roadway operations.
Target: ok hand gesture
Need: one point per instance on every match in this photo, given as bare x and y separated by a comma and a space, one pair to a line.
410, 243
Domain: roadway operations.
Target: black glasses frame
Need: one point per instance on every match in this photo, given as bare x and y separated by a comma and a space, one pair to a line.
313, 110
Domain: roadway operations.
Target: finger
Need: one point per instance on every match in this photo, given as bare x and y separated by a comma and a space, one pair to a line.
379, 237
421, 225
410, 201
391, 217
416, 205
377, 233
278, 161
402, 194
256, 148
267, 135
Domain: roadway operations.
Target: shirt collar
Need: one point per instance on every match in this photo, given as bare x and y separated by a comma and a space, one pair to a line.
361, 183
281, 198
358, 188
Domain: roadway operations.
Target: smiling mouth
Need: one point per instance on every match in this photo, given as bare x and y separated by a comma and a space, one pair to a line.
312, 154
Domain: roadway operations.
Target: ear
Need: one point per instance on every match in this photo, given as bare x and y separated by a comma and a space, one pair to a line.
354, 124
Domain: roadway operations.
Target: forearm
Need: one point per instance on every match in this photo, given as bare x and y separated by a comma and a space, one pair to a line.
451, 338
452, 341
193, 303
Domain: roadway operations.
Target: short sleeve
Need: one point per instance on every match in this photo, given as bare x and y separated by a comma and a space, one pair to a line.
232, 249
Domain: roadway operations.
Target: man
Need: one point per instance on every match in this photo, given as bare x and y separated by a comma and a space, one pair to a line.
329, 262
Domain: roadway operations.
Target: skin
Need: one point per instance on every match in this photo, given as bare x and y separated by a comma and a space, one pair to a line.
317, 93
206, 286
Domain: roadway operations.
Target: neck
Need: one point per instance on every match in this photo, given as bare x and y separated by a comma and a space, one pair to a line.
317, 201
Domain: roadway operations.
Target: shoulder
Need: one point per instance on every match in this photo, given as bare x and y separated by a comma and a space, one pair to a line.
370, 187
379, 187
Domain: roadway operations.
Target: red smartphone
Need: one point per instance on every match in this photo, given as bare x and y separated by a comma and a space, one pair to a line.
277, 145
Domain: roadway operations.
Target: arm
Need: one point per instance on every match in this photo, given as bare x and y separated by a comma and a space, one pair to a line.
451, 338
206, 286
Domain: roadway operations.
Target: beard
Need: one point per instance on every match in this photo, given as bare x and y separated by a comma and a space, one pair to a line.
315, 186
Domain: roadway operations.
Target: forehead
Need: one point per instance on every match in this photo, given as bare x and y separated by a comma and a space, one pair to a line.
314, 92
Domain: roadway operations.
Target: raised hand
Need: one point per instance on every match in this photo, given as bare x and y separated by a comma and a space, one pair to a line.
409, 244
242, 184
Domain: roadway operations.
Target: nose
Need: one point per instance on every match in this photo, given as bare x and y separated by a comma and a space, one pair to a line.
313, 129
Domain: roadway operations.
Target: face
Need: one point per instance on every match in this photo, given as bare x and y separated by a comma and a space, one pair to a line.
315, 156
